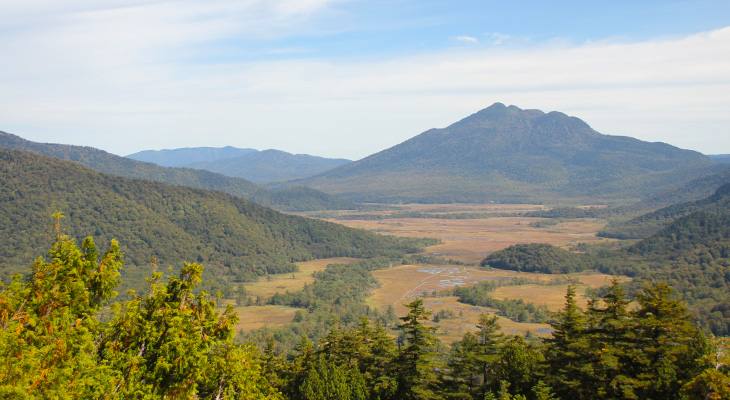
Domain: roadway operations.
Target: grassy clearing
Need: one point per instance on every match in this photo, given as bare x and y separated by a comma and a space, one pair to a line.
464, 240
267, 287
402, 284
255, 317
470, 240
467, 318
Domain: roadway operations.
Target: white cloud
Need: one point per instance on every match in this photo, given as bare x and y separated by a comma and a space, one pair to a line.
499, 38
467, 39
116, 78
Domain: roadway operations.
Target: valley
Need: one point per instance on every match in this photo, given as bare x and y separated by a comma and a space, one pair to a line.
464, 242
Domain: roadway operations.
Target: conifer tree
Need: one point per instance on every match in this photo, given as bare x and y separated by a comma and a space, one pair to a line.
567, 351
668, 347
416, 376
49, 323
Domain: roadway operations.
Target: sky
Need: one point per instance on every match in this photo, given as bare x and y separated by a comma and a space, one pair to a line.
349, 78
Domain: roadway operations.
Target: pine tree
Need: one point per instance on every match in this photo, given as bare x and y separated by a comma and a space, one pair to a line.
416, 376
668, 346
612, 337
567, 353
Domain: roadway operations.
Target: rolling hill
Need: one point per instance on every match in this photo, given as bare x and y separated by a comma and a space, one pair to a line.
507, 154
293, 199
188, 155
232, 236
269, 165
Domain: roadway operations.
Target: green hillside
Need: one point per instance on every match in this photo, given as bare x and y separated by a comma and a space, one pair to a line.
696, 189
650, 223
286, 200
691, 253
508, 154
269, 165
233, 237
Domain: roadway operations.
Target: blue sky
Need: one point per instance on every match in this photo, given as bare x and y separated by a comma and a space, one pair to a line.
350, 78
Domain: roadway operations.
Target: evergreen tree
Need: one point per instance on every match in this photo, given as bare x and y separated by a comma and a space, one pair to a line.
49, 324
567, 351
416, 376
668, 348
612, 336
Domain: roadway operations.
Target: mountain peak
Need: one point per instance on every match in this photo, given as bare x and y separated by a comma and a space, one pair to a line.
505, 153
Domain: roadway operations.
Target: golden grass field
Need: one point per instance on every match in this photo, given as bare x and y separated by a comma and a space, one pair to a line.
254, 317
470, 240
464, 240
292, 282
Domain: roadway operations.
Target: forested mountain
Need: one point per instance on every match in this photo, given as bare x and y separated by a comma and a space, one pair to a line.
695, 189
512, 155
270, 165
231, 236
648, 224
295, 199
721, 158
188, 155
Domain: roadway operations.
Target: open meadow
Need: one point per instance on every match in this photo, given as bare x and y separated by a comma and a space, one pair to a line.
471, 239
465, 241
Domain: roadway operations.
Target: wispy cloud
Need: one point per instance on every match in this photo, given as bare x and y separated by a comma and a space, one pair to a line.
467, 39
499, 38
119, 77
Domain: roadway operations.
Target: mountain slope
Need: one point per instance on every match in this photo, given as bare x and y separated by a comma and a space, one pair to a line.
188, 155
233, 236
513, 155
288, 200
648, 224
270, 165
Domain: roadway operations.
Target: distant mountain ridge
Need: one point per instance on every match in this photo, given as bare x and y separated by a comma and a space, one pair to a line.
721, 158
293, 199
188, 155
269, 165
508, 154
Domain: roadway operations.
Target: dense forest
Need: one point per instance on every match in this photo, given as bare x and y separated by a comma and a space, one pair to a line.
238, 240
57, 341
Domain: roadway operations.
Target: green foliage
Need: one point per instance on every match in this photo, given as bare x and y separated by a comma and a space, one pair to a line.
514, 309
237, 239
538, 257
649, 224
416, 377
169, 344
296, 199
173, 343
50, 325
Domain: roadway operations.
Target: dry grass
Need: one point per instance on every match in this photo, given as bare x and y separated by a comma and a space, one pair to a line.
267, 287
255, 317
467, 318
470, 240
465, 240
402, 284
